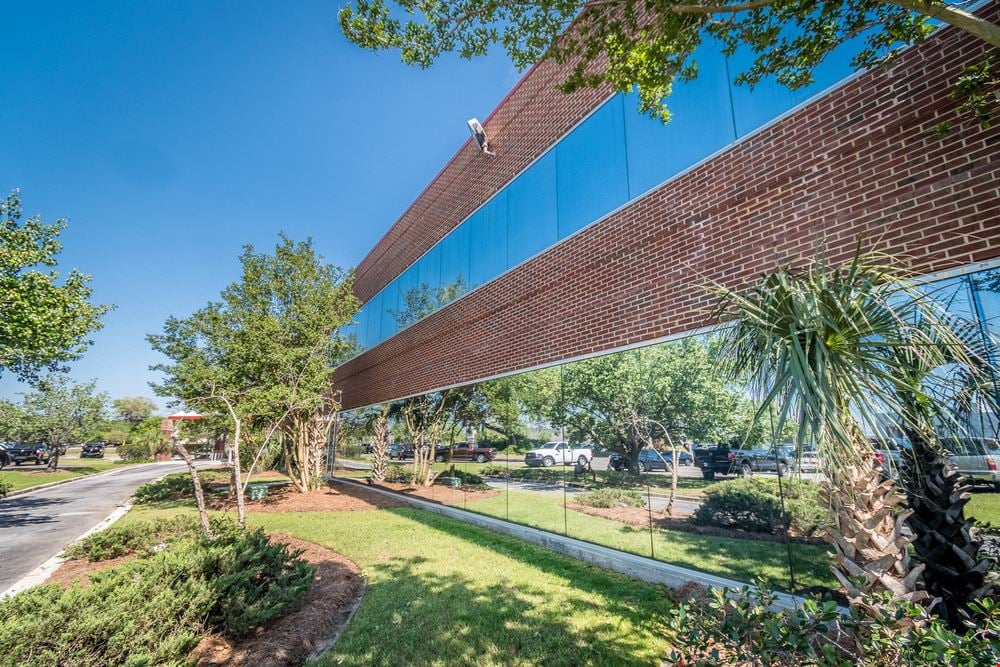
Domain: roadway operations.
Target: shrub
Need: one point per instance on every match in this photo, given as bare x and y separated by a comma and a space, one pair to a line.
493, 470
129, 538
468, 480
5, 488
754, 504
154, 610
607, 498
398, 474
741, 626
177, 486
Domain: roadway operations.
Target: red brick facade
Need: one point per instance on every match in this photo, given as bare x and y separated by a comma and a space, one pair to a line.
858, 162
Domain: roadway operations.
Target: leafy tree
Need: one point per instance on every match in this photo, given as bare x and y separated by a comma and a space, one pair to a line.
60, 412
262, 356
43, 324
673, 391
144, 441
134, 409
424, 417
650, 44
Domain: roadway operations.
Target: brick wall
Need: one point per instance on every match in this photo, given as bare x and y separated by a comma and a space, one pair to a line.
532, 117
858, 162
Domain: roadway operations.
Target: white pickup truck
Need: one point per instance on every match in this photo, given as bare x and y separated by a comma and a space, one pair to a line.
552, 453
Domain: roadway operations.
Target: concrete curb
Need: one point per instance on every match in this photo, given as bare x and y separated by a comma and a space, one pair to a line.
640, 567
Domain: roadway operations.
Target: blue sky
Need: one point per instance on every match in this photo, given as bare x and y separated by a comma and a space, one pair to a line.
172, 133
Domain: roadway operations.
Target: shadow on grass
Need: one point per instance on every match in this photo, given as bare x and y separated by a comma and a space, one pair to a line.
413, 615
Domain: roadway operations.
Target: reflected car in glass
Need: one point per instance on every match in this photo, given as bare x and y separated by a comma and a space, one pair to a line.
976, 458
650, 460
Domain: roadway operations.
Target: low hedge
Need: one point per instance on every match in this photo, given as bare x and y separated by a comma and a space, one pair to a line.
468, 480
177, 486
155, 609
754, 504
530, 474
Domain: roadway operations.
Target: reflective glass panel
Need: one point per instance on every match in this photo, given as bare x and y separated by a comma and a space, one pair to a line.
590, 166
701, 123
488, 240
455, 261
531, 211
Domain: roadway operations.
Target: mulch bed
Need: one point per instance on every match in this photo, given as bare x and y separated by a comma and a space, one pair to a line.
639, 516
330, 499
289, 640
445, 495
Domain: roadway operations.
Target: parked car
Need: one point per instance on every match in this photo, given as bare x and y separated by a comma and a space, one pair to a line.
892, 454
36, 452
976, 458
4, 456
552, 453
399, 452
808, 461
722, 460
464, 453
649, 460
92, 450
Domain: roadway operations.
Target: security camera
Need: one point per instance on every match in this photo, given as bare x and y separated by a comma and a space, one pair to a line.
479, 134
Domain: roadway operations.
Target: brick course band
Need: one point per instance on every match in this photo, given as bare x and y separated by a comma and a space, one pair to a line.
861, 161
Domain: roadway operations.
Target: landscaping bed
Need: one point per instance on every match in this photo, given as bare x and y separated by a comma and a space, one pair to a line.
445, 495
329, 499
337, 586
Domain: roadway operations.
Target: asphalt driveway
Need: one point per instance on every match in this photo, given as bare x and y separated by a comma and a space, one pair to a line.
37, 525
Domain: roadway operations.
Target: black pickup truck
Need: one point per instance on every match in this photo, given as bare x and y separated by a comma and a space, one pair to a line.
19, 453
743, 462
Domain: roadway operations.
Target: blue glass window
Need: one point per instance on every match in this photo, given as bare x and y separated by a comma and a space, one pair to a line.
532, 225
455, 260
374, 321
591, 174
429, 271
769, 99
488, 240
701, 123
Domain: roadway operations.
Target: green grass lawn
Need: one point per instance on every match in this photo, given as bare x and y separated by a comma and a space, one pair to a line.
985, 507
25, 477
740, 559
441, 592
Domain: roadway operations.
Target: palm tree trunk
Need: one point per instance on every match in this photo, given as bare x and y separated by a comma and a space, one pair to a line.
945, 540
870, 547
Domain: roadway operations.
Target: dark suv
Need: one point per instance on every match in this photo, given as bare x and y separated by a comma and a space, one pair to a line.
92, 450
20, 453
649, 460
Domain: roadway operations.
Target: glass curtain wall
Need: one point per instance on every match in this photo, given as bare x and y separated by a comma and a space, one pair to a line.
643, 451
612, 157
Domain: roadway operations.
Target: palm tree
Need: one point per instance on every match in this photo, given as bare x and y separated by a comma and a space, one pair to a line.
813, 342
941, 386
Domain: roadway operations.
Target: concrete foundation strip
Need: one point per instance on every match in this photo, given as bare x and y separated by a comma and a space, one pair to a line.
640, 567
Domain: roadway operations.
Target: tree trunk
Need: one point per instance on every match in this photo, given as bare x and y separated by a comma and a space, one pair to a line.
199, 495
380, 441
241, 505
867, 537
53, 463
945, 540
673, 482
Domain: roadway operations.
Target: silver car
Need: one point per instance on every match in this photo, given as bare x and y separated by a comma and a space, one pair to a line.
976, 458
